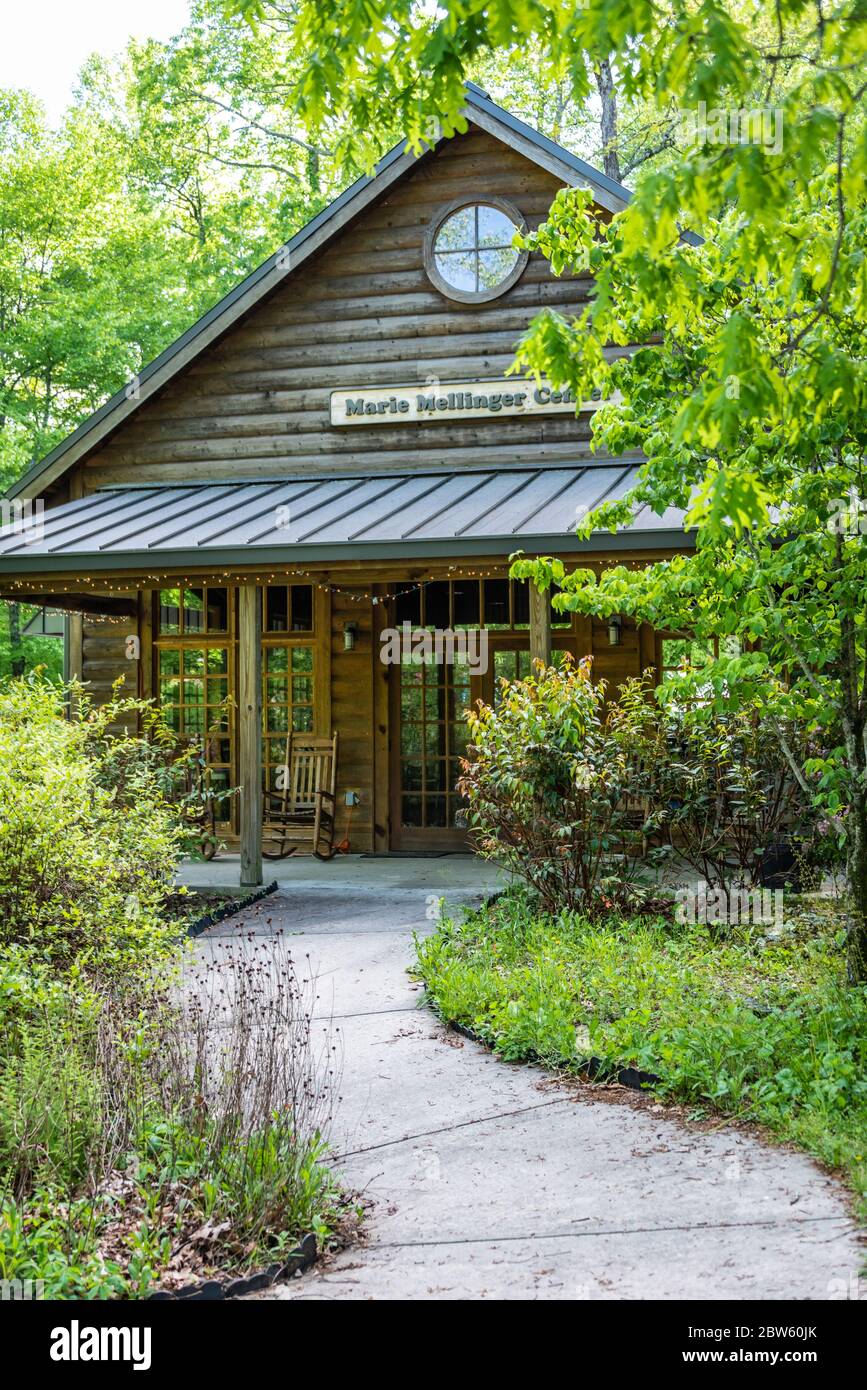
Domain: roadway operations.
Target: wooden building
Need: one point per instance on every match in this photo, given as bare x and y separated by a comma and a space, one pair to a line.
333, 451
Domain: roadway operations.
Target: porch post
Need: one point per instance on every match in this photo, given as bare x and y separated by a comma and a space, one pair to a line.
250, 731
540, 624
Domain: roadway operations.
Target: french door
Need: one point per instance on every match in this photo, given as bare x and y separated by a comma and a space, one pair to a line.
430, 736
428, 705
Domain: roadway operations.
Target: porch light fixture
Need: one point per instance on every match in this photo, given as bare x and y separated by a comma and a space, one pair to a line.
615, 626
350, 633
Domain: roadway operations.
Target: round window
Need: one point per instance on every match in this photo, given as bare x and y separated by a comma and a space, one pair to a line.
468, 250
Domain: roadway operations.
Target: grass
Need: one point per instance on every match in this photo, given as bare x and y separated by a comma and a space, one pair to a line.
762, 1029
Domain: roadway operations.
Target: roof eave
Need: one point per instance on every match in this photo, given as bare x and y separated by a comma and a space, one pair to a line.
154, 562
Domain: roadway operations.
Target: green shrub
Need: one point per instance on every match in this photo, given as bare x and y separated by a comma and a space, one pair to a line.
724, 787
87, 856
549, 783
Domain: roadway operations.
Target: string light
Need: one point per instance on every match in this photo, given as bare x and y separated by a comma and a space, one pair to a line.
355, 594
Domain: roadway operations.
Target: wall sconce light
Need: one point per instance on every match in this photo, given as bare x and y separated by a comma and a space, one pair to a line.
615, 626
350, 633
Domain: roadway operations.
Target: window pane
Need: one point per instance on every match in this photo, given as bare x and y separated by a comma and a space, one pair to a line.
410, 776
276, 659
435, 775
458, 269
218, 610
410, 702
458, 232
302, 658
496, 602
408, 607
170, 662
302, 719
434, 703
276, 718
194, 661
434, 740
194, 610
410, 738
194, 720
495, 228
494, 266
466, 603
436, 604
170, 605
302, 607
218, 659
277, 608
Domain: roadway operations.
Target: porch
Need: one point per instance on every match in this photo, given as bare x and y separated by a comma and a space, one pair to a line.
257, 611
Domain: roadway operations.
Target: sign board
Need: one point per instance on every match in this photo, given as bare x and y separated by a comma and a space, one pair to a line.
449, 400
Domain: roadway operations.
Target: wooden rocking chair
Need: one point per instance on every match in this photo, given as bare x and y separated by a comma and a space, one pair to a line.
302, 813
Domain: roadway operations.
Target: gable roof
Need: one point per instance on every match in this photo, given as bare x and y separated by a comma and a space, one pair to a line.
478, 108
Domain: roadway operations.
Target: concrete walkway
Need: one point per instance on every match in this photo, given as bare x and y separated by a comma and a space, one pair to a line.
491, 1181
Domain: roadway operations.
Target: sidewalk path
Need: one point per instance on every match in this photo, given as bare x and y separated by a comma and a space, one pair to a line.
490, 1180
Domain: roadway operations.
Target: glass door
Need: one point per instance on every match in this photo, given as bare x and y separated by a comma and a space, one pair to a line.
429, 703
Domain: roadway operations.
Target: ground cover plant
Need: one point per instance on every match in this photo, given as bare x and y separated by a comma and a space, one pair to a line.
760, 1025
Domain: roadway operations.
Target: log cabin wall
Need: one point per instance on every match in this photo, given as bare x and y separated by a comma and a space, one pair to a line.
361, 312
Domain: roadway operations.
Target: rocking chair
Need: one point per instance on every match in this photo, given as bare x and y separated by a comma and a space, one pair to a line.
302, 813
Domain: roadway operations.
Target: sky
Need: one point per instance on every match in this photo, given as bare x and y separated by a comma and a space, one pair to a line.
43, 43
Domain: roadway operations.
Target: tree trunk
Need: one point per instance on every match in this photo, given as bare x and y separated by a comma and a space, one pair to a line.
857, 874
313, 170
608, 98
16, 647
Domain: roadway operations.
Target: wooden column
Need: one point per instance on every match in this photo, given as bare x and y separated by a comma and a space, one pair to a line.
540, 624
250, 731
74, 655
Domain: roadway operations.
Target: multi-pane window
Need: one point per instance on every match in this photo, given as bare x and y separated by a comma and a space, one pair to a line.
189, 610
195, 670
193, 686
287, 701
433, 737
512, 664
473, 248
288, 608
496, 604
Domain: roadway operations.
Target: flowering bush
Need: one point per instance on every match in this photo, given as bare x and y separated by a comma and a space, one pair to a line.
555, 784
